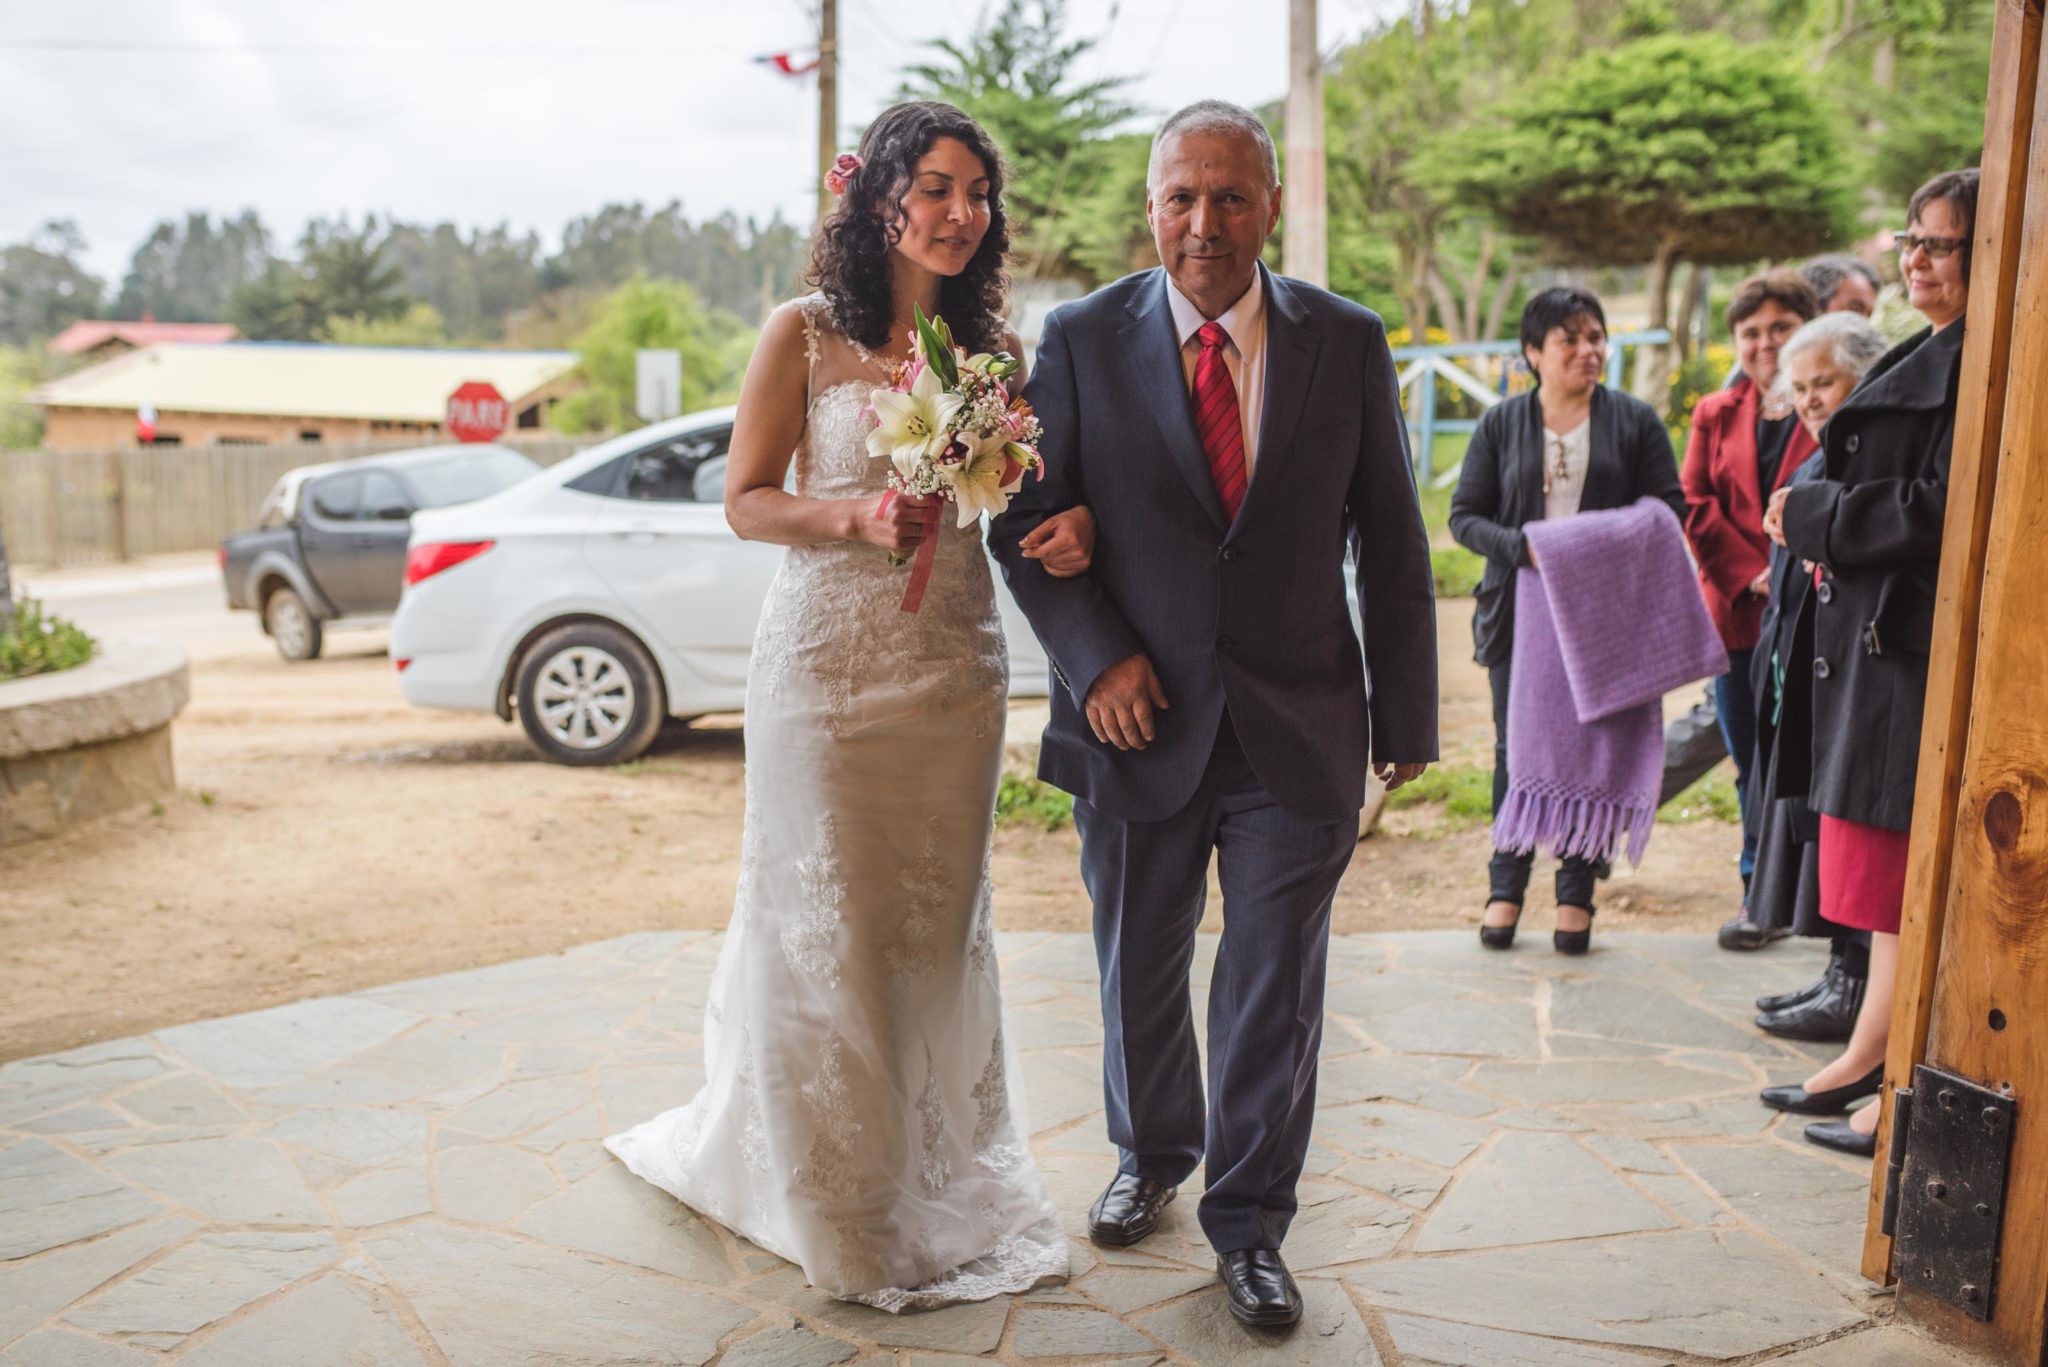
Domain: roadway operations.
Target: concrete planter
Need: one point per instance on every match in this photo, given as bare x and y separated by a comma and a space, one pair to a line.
87, 742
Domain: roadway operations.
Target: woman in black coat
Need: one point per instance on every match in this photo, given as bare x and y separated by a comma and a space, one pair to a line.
1568, 446
1872, 525
1820, 365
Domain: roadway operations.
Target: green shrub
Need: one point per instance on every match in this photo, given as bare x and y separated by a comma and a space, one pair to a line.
1028, 801
36, 643
1457, 571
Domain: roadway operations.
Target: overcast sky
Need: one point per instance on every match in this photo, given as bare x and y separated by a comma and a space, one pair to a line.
118, 113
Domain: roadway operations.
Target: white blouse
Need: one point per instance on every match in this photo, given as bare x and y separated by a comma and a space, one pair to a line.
1565, 457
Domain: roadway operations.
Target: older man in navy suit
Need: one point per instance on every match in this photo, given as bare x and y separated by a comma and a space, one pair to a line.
1235, 432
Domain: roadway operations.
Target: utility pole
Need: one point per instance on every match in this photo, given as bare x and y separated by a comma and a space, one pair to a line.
828, 98
1304, 229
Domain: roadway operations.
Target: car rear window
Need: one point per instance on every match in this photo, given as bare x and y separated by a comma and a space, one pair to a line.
466, 478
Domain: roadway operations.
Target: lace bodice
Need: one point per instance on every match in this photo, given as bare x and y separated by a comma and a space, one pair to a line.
838, 604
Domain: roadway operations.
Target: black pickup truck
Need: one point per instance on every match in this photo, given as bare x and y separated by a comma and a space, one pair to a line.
329, 543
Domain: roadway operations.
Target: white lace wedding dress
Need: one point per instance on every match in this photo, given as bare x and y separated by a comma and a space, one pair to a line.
862, 1114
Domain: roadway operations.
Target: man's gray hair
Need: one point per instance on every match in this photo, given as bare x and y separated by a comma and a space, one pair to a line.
1826, 274
1215, 116
1848, 338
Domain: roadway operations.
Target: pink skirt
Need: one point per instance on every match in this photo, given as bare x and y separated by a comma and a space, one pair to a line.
1862, 874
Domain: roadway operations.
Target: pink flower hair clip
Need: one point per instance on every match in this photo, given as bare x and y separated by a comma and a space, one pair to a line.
841, 174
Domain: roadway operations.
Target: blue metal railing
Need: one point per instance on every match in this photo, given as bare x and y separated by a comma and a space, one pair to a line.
1424, 425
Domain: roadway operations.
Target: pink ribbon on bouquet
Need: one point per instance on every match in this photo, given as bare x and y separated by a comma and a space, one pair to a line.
928, 544
921, 562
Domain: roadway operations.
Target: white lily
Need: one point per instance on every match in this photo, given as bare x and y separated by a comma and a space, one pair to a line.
911, 426
977, 482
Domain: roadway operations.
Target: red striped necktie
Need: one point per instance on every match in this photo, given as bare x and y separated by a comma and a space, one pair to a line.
1216, 418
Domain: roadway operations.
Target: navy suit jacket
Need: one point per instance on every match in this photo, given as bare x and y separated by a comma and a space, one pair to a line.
1249, 615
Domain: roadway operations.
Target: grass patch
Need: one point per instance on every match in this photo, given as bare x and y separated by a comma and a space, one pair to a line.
1713, 798
1463, 791
39, 643
1456, 571
1028, 802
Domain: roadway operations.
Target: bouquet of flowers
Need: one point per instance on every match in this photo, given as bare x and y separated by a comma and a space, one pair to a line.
950, 429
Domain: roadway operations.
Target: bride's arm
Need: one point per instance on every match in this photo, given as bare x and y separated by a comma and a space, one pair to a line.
773, 400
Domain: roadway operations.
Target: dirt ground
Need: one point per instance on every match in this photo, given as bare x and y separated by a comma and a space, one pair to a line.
329, 837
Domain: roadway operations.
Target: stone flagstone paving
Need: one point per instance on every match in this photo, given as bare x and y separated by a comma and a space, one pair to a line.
1520, 1159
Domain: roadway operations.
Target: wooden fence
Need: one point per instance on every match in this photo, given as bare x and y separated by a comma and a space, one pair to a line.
101, 507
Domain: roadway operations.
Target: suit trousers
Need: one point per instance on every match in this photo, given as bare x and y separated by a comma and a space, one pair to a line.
1149, 881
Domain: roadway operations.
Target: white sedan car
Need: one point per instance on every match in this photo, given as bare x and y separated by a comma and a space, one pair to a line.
601, 595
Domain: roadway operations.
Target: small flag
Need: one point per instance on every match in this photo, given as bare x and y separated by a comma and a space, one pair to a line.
789, 64
145, 424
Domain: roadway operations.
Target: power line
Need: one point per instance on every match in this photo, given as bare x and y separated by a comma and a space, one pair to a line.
118, 47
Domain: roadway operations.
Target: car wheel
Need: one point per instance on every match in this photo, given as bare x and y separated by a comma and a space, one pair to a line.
292, 625
589, 694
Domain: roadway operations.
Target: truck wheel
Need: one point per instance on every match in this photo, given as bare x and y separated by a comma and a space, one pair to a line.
292, 625
589, 694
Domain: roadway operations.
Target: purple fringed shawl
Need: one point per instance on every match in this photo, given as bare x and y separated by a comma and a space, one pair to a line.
1611, 623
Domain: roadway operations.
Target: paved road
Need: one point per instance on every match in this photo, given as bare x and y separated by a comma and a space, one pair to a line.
182, 599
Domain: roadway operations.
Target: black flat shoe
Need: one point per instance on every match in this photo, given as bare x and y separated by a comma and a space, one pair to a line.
1500, 937
1841, 1136
1826, 1017
1573, 941
1781, 1000
1127, 1210
1258, 1288
1833, 1101
1743, 933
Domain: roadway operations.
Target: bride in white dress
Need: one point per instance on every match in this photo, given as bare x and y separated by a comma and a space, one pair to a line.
862, 1114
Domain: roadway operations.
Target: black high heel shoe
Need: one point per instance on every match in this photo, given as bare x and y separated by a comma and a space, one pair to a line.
1831, 1101
1501, 937
1574, 941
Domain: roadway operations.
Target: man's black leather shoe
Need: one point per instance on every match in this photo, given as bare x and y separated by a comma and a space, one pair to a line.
1258, 1287
1841, 1136
1127, 1210
1833, 1101
1827, 1016
1743, 933
1779, 1001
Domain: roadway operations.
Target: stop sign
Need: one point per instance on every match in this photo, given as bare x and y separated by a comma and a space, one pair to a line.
477, 412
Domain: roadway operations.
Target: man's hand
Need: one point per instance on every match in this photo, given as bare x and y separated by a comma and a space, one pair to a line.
1774, 516
1761, 585
1121, 703
1396, 775
1064, 543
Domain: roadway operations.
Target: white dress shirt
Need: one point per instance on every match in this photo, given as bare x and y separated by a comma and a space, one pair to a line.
1565, 457
1244, 355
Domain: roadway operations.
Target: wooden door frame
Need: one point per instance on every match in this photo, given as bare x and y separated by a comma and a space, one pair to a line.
2012, 197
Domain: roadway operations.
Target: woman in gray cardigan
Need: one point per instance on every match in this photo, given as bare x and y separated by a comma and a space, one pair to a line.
1570, 445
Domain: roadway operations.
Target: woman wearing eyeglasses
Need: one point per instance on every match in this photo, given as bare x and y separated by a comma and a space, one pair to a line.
1872, 526
1745, 444
1570, 445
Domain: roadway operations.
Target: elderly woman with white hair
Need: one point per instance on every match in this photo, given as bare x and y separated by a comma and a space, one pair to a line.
1818, 367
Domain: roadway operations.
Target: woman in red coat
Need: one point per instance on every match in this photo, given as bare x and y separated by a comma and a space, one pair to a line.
1742, 450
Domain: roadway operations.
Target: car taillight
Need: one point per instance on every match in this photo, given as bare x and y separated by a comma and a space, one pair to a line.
401, 664
424, 562
220, 556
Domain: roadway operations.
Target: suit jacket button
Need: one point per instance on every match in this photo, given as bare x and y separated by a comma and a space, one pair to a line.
1854, 441
1820, 669
1229, 553
1826, 592
1226, 642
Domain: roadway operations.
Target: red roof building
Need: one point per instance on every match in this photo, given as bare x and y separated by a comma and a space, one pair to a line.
107, 337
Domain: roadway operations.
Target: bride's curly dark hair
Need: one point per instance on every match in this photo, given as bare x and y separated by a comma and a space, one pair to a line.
850, 254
